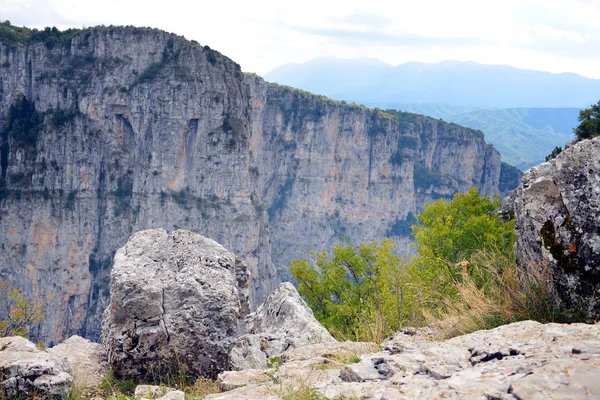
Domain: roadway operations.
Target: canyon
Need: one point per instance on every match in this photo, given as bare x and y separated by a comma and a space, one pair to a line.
112, 130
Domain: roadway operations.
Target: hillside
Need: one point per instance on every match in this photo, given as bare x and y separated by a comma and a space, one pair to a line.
524, 136
111, 130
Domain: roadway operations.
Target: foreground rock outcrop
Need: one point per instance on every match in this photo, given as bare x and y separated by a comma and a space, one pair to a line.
282, 323
26, 371
144, 129
87, 360
523, 360
175, 305
557, 209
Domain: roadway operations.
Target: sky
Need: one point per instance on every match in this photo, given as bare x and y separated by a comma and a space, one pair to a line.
546, 35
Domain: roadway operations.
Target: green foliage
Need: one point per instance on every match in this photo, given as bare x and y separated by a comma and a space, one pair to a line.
367, 292
397, 158
352, 292
402, 227
154, 69
70, 203
407, 142
425, 178
151, 72
20, 313
11, 36
557, 150
589, 122
113, 386
282, 196
123, 194
23, 124
211, 55
453, 231
60, 117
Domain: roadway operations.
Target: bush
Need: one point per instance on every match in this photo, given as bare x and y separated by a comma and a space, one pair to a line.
557, 150
463, 277
589, 123
21, 313
23, 123
424, 177
352, 292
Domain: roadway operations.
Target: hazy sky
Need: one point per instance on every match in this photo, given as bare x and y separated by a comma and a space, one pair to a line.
548, 35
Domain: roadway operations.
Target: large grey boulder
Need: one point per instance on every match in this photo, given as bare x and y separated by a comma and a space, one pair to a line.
26, 371
176, 303
557, 212
283, 322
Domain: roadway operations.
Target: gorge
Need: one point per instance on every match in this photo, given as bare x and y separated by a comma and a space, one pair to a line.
112, 130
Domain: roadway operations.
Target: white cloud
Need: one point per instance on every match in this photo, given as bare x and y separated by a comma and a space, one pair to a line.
551, 35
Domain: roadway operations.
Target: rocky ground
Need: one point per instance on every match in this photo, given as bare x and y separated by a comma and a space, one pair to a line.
524, 360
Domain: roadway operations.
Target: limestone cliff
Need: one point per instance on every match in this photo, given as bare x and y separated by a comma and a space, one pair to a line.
109, 131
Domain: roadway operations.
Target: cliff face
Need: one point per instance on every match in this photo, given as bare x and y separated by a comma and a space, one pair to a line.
117, 130
556, 209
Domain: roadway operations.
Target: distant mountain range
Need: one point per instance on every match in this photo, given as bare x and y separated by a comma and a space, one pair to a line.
524, 113
454, 83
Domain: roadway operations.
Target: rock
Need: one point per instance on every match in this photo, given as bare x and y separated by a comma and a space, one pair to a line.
554, 361
283, 322
147, 392
230, 380
87, 359
26, 371
556, 213
363, 371
175, 305
247, 353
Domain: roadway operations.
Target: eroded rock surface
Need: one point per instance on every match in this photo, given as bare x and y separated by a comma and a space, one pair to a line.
524, 360
282, 323
557, 213
87, 359
176, 304
26, 371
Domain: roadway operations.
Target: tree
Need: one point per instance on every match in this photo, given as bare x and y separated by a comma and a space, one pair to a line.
368, 292
451, 231
20, 313
557, 150
589, 123
354, 292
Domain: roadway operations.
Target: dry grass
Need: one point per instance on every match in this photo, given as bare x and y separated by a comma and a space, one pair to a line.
493, 291
202, 387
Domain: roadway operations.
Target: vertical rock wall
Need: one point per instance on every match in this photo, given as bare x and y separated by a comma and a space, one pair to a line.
143, 129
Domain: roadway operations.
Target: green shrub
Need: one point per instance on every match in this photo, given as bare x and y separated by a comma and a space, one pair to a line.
463, 277
397, 158
60, 117
20, 313
23, 123
589, 123
402, 227
424, 178
11, 36
557, 150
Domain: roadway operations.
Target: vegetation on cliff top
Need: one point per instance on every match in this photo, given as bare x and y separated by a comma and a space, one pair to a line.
463, 277
589, 122
11, 36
